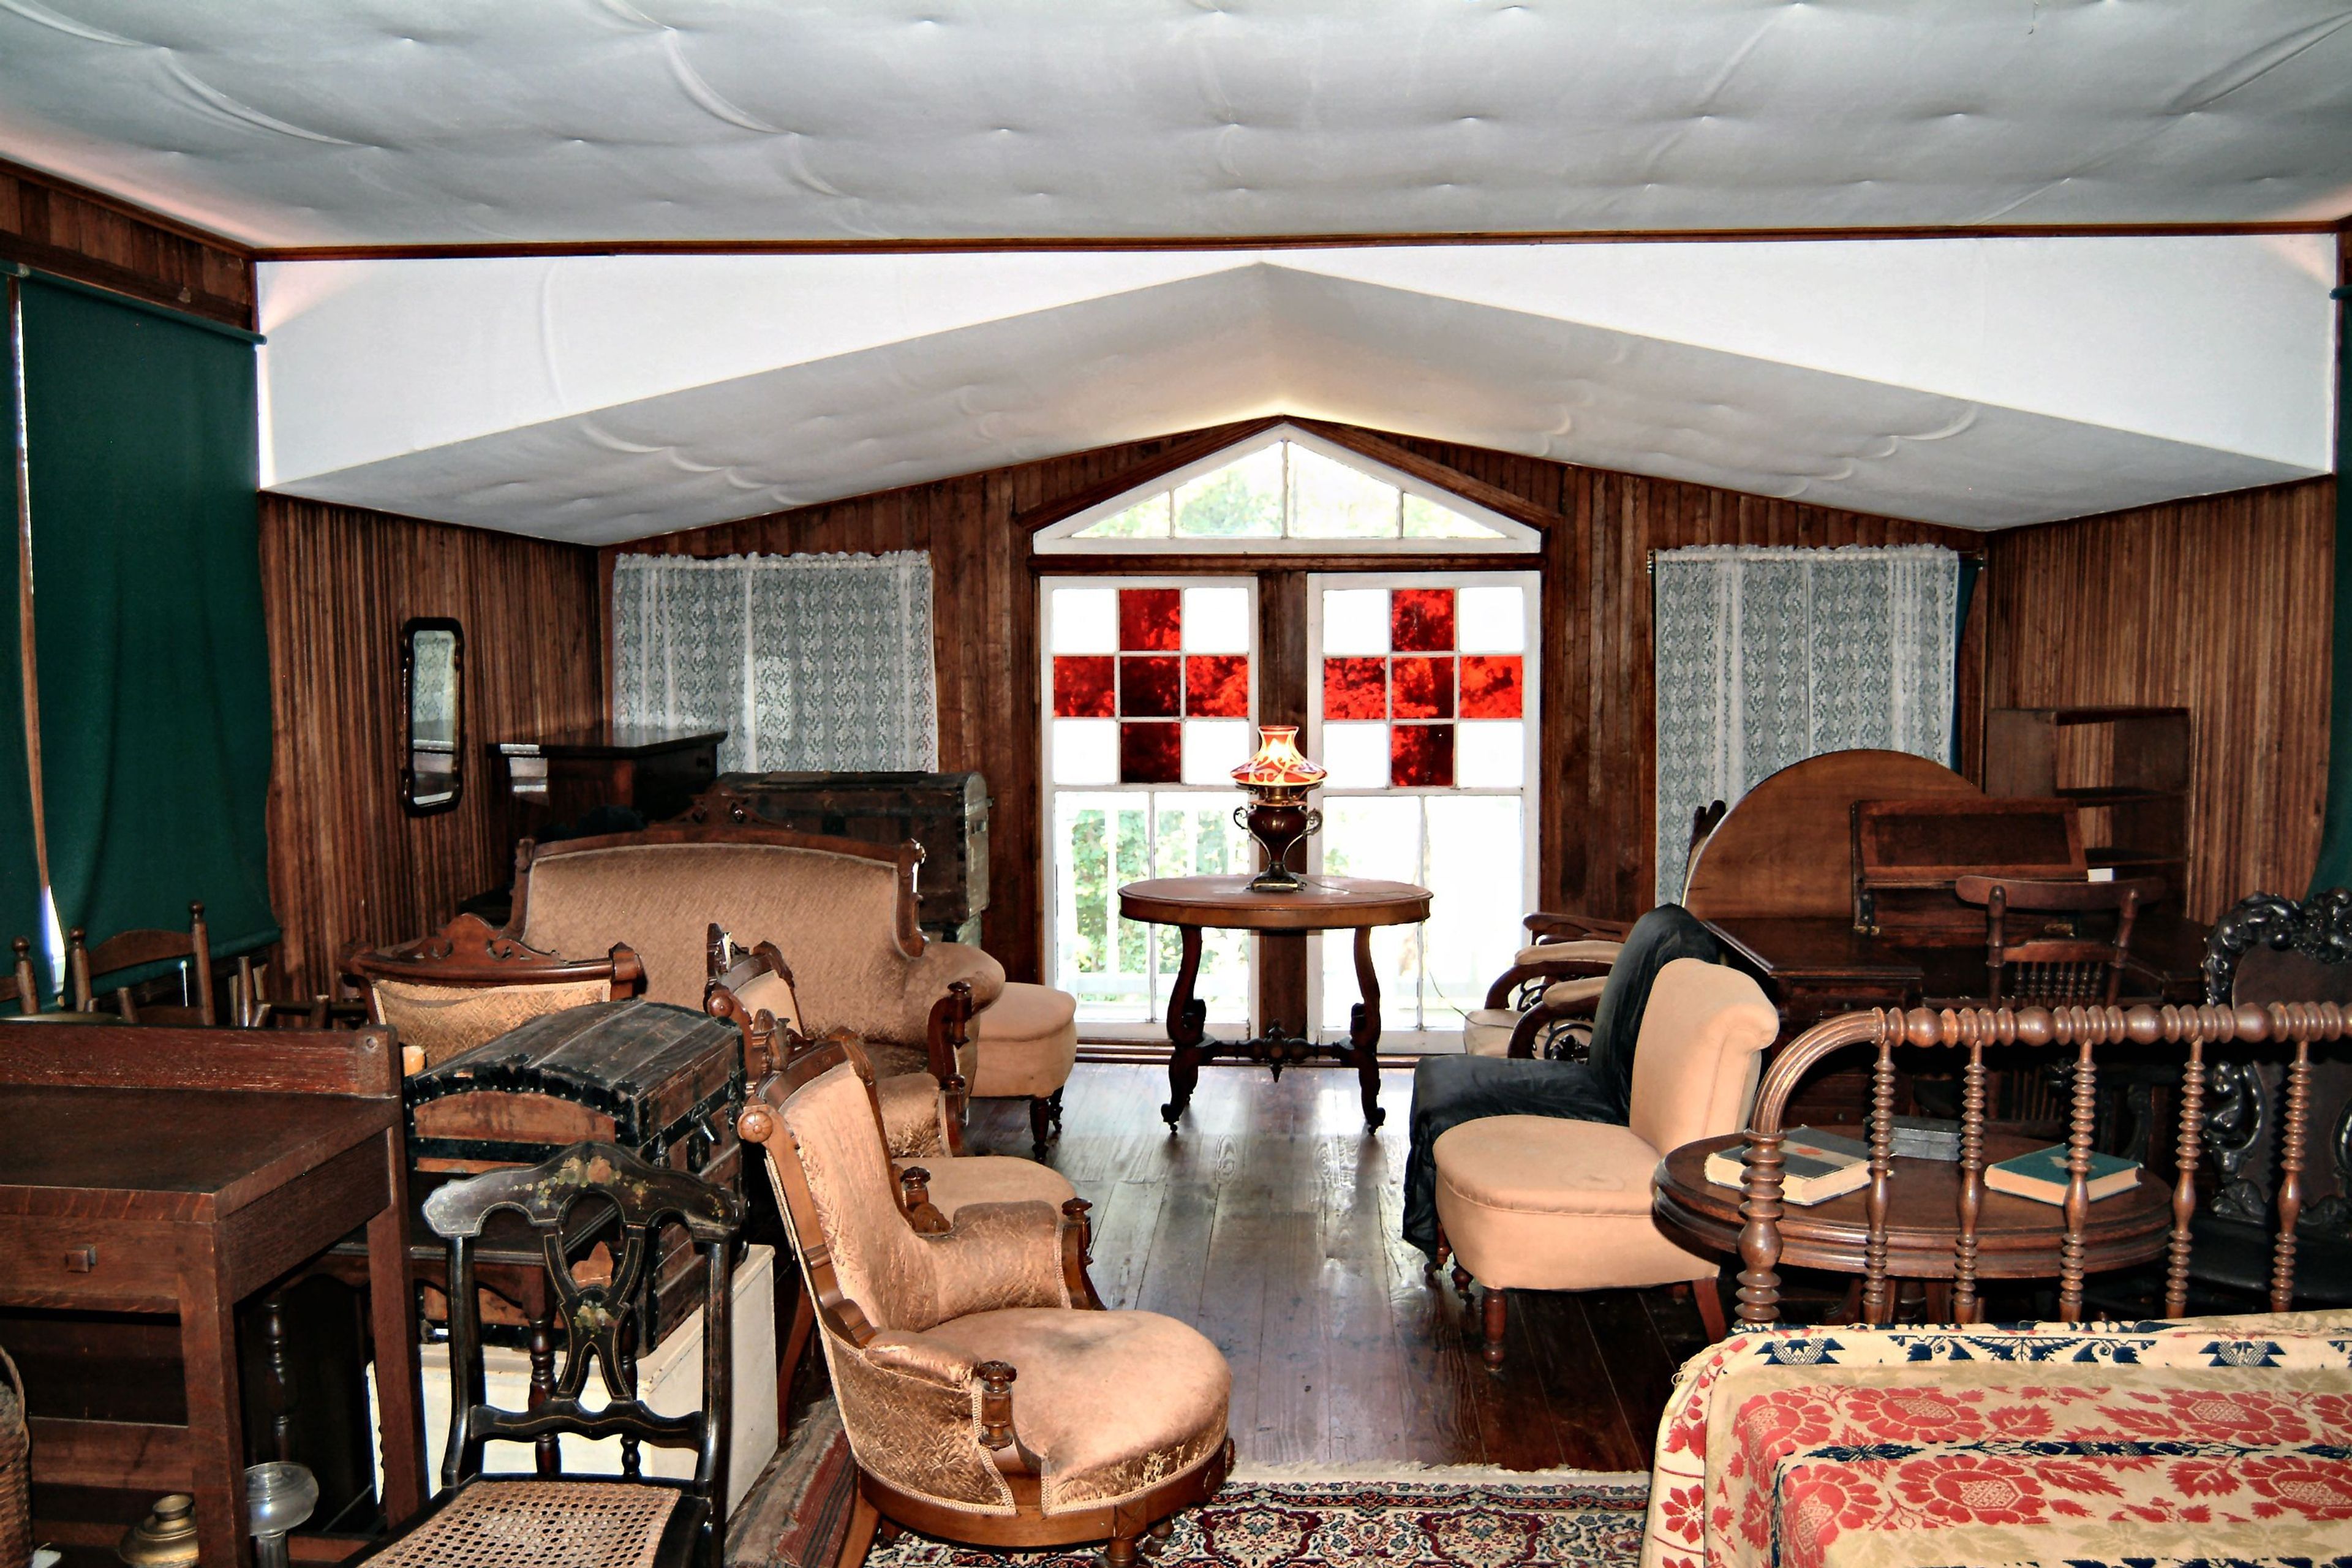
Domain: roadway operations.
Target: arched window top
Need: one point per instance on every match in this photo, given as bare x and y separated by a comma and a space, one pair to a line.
1287, 491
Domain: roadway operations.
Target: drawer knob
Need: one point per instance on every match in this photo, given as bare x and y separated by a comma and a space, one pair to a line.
81, 1259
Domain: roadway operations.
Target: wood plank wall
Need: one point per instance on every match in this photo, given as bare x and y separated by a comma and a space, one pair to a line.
346, 863
75, 232
1597, 693
2220, 604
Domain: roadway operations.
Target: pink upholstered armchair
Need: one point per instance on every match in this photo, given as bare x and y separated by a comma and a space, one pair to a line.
987, 1396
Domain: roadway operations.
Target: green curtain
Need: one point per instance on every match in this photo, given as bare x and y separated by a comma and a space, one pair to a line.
151, 658
20, 882
2334, 867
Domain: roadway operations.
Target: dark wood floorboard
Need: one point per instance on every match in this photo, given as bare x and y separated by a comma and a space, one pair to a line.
1270, 1222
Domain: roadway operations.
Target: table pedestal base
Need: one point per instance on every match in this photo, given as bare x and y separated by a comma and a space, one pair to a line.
1277, 1048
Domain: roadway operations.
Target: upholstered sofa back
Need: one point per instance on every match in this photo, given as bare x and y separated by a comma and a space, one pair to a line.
842, 918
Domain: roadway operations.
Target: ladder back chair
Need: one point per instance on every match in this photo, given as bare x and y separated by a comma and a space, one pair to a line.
2036, 951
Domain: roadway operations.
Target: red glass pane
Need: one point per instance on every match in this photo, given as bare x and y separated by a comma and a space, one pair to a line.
1420, 620
1151, 619
1490, 686
1422, 755
1081, 686
1150, 687
1216, 686
1355, 689
1422, 688
1150, 753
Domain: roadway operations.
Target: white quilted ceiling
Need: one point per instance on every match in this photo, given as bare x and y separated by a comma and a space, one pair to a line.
290, 122
1981, 382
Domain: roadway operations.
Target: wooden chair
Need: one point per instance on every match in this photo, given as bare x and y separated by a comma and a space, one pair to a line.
486, 1521
133, 949
469, 984
927, 1327
2091, 1235
2045, 958
1543, 1004
2269, 948
22, 986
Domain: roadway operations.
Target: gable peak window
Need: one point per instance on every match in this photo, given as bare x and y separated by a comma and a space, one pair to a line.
1286, 490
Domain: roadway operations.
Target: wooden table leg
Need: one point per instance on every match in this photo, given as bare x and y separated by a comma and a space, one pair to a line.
392, 1322
1187, 1023
215, 1407
1364, 1031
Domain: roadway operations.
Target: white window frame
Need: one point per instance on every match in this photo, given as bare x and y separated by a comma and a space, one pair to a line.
1530, 790
1512, 537
1154, 1028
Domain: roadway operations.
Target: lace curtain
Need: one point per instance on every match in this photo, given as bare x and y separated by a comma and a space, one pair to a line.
812, 662
1766, 656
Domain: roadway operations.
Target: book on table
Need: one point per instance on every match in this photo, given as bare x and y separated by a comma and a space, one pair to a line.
1816, 1166
2041, 1174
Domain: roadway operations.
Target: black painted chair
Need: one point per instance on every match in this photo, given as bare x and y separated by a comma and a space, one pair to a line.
490, 1520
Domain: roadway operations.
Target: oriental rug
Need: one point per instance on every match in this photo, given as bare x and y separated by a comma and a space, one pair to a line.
1404, 1518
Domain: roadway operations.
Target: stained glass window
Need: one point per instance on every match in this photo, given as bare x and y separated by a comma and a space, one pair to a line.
1150, 697
1423, 718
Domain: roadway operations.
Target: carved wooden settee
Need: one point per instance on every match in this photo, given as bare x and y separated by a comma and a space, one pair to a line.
843, 913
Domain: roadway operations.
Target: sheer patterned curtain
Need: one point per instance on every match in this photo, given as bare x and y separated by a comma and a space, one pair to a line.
1766, 656
812, 662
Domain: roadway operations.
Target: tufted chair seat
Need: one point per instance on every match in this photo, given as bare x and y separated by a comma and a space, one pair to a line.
987, 1396
1542, 1202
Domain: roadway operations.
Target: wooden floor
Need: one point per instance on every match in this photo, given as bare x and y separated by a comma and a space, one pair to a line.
1270, 1222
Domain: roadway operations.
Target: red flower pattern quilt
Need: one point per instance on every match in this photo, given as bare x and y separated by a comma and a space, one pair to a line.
2206, 1441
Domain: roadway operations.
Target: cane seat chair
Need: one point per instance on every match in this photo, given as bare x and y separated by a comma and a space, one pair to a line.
470, 983
491, 1520
988, 1397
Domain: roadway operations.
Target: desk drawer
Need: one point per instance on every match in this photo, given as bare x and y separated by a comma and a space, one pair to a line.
127, 1265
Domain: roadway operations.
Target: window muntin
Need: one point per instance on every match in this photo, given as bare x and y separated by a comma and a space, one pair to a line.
1151, 699
1422, 705
1286, 489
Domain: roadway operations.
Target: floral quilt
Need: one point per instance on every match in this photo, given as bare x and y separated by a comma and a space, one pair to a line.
2205, 1441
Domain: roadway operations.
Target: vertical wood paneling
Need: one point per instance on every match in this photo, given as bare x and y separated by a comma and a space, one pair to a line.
1599, 741
76, 232
2219, 605
346, 863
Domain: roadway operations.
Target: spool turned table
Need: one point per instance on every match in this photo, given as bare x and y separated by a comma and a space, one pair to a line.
1192, 904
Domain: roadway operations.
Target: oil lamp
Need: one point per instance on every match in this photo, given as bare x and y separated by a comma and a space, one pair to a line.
1278, 816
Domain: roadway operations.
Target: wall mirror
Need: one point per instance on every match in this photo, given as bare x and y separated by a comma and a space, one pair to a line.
432, 699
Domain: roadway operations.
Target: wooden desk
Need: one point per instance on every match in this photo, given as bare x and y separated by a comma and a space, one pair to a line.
174, 1170
2017, 1238
1226, 903
1816, 967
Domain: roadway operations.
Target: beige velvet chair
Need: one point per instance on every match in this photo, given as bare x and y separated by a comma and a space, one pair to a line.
1539, 1203
987, 1396
468, 983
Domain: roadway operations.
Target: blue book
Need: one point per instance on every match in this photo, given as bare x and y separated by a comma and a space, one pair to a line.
2041, 1174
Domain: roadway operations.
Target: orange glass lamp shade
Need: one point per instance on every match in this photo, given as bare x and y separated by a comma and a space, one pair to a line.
1277, 779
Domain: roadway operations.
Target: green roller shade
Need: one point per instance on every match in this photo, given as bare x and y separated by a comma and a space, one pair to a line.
152, 661
20, 883
2334, 867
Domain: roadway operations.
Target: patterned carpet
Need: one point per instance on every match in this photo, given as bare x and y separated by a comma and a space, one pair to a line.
1411, 1521
1462, 1517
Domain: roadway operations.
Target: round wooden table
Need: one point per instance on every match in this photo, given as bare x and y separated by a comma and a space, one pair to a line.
2017, 1238
1192, 904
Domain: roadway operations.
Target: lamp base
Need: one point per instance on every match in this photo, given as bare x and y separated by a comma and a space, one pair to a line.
1279, 819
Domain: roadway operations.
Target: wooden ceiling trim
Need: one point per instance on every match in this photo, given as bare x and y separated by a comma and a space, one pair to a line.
72, 231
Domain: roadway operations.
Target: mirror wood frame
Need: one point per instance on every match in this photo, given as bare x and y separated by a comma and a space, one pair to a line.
409, 630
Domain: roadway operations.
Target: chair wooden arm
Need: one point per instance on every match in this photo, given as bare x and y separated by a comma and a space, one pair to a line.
949, 1031
1555, 926
1498, 994
1543, 1016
